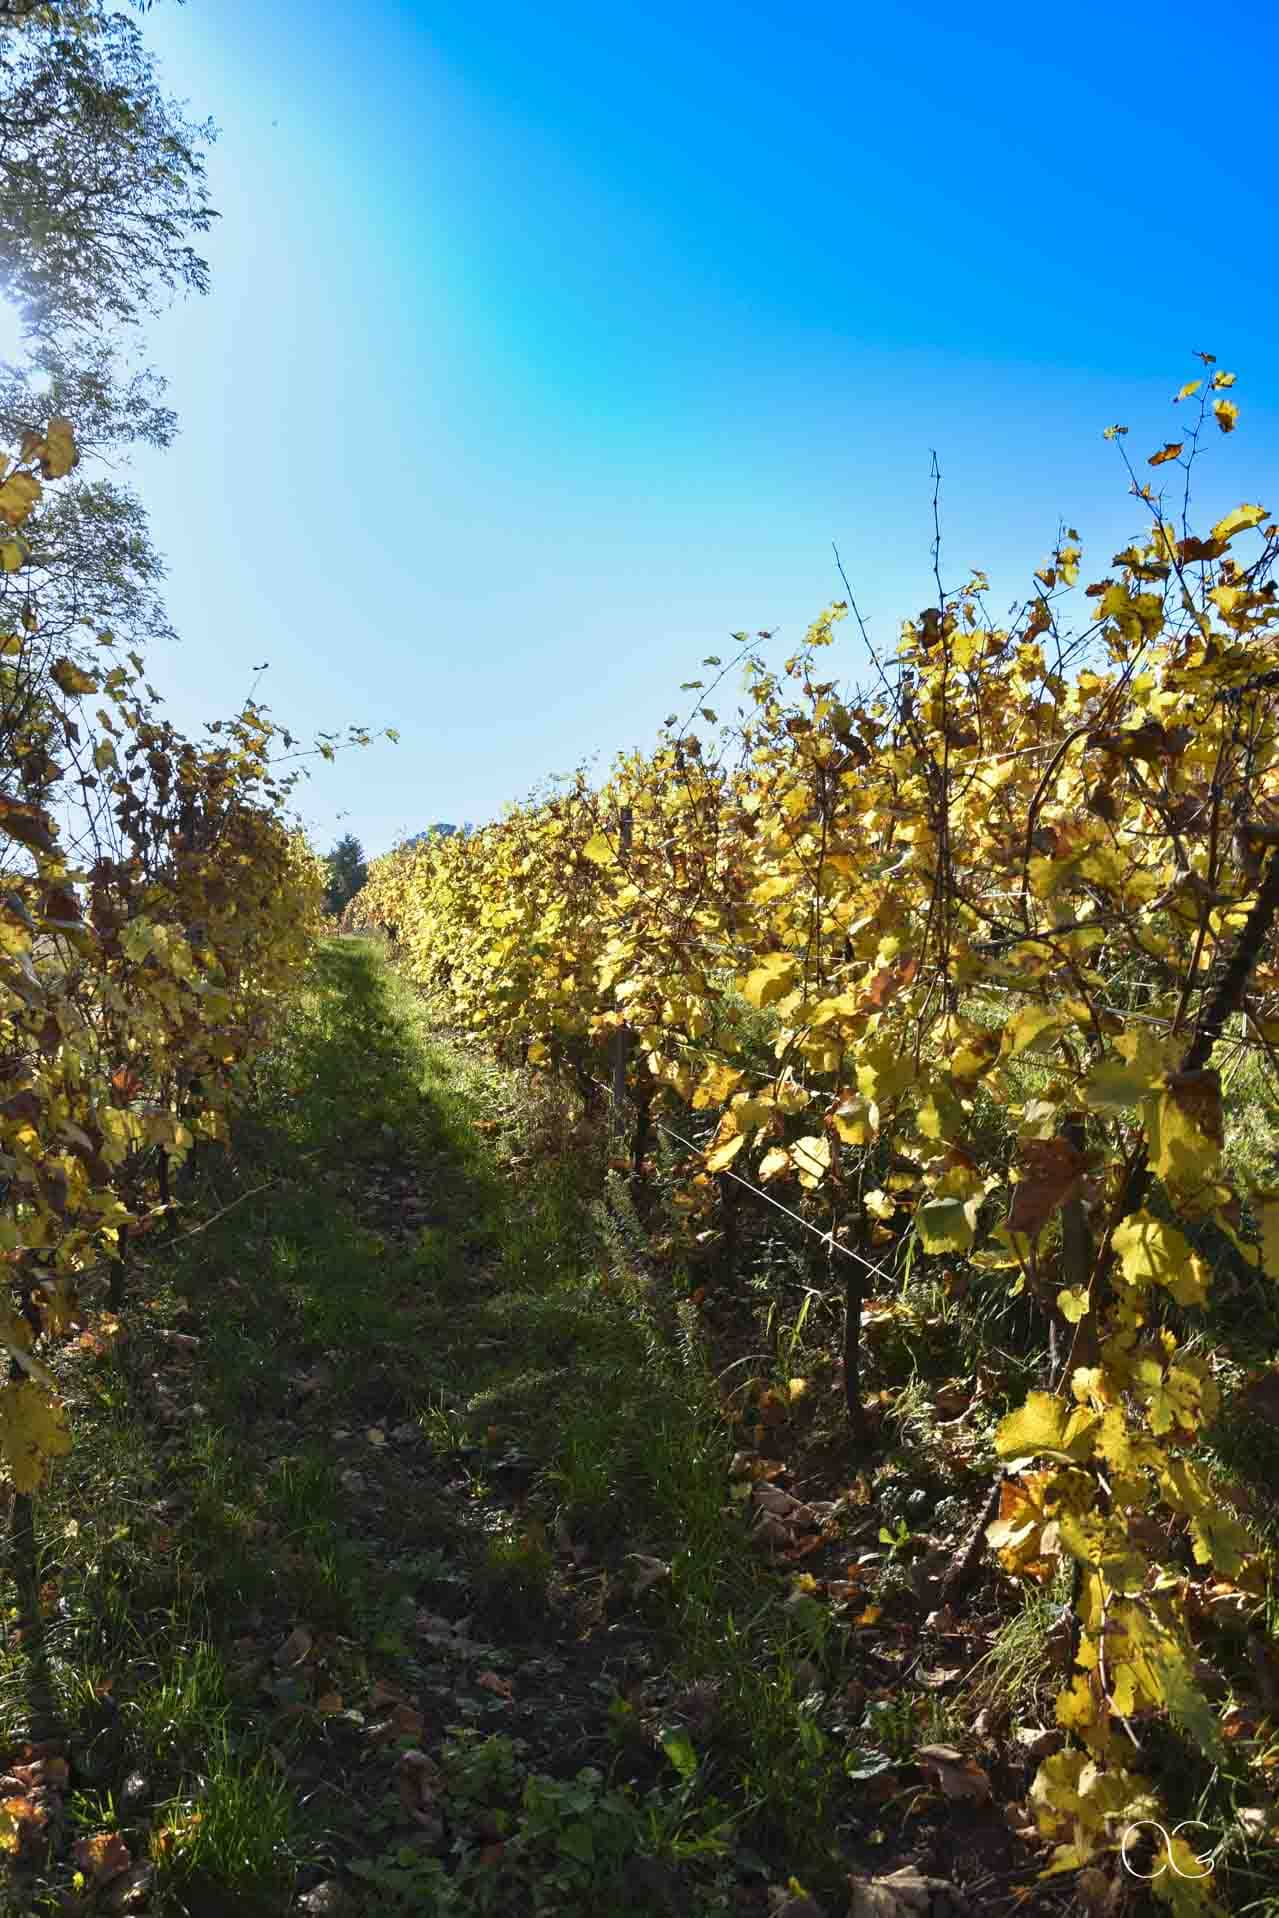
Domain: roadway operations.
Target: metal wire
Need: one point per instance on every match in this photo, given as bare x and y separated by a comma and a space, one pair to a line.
827, 1238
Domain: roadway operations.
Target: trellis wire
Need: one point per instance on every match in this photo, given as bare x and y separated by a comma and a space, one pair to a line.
826, 1238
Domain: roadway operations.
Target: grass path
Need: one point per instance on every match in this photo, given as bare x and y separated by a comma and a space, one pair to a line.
396, 1568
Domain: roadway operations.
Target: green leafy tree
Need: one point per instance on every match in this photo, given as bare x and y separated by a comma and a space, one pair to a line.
101, 177
102, 196
347, 872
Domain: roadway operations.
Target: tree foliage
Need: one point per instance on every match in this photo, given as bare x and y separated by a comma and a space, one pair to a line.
346, 872
101, 177
101, 196
955, 960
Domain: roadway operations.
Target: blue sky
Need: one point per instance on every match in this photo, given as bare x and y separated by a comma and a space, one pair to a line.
550, 344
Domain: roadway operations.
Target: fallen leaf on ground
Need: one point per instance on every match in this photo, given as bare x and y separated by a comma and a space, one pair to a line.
52, 1771
22, 1821
443, 1635
403, 1722
420, 1782
131, 1889
500, 1687
649, 1571
1038, 1742
782, 1504
955, 1775
381, 1694
792, 1901
295, 1648
770, 1532
326, 1900
905, 1894
103, 1856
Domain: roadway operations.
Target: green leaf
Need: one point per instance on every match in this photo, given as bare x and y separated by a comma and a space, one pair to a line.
577, 1841
678, 1748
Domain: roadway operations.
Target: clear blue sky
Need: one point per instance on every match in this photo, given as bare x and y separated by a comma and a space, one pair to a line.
549, 344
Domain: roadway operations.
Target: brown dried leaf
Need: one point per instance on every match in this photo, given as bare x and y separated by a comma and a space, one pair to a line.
905, 1894
420, 1782
953, 1774
1053, 1174
770, 1532
295, 1648
103, 1857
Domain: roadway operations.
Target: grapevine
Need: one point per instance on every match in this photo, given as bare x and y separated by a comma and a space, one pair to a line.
954, 960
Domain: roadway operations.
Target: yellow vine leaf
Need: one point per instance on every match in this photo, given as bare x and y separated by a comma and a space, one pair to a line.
721, 1156
1240, 520
811, 1158
1116, 1085
715, 1086
1049, 1425
32, 1431
1024, 1536
1227, 413
1184, 1129
1152, 1252
770, 981
947, 1225
1217, 1537
791, 1097
1031, 1028
856, 1121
